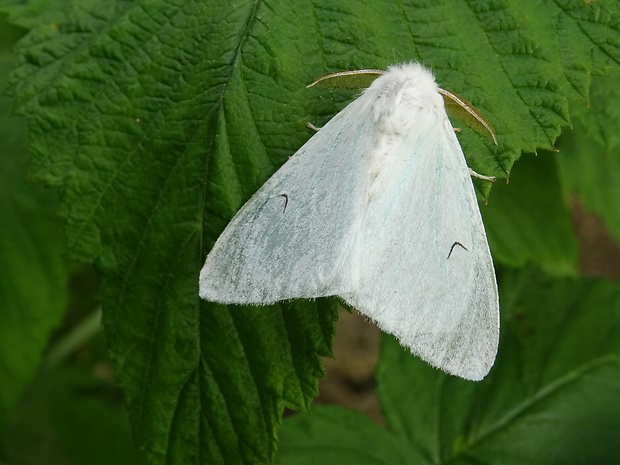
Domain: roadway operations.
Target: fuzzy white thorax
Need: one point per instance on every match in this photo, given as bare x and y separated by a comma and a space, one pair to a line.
406, 101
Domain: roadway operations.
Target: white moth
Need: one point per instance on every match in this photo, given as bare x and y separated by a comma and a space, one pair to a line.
379, 209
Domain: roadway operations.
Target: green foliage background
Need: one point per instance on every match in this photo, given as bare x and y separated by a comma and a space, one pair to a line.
155, 121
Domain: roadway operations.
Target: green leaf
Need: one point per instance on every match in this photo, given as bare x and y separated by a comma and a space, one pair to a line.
33, 275
334, 435
157, 120
552, 397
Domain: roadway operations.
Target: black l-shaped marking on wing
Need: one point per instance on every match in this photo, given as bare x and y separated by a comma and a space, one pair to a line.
452, 248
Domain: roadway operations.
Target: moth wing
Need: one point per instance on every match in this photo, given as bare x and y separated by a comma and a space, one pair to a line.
425, 272
292, 238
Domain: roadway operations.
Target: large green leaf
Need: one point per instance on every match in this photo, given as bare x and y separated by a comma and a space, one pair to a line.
158, 119
553, 396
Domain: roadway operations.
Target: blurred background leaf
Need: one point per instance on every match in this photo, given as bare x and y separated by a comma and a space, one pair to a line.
68, 416
34, 274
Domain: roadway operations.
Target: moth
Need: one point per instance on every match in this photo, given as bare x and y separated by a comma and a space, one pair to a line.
378, 208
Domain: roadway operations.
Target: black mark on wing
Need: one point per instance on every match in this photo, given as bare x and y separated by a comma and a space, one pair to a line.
452, 248
285, 201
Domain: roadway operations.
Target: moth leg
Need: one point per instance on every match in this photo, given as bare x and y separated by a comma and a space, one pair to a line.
481, 176
313, 127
